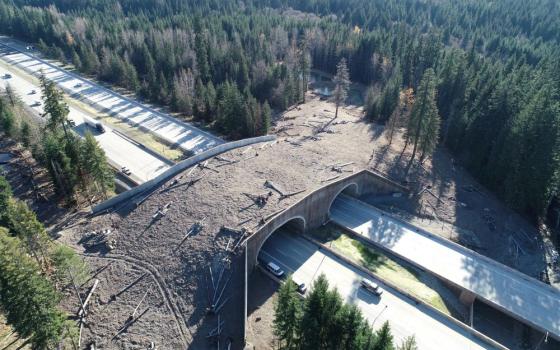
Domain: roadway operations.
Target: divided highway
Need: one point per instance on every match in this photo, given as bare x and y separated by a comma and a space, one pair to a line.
163, 126
521, 296
120, 150
298, 256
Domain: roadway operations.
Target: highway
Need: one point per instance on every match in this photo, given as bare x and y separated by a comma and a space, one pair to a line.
296, 255
521, 296
119, 150
163, 126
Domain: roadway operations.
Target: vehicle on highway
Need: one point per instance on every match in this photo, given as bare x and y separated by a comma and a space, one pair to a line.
95, 124
30, 47
7, 76
33, 92
71, 123
126, 171
36, 104
79, 85
275, 269
372, 287
301, 287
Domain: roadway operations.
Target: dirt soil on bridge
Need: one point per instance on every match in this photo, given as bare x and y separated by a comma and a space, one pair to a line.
229, 193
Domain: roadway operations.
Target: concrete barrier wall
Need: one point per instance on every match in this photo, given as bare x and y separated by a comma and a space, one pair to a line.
177, 168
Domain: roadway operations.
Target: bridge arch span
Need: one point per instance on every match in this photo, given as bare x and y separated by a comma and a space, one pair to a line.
313, 210
297, 223
350, 189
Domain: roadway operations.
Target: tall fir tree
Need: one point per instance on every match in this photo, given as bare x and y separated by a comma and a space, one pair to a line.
341, 84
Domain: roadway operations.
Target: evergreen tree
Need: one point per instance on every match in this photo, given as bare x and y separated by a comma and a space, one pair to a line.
313, 333
342, 84
266, 118
5, 196
304, 67
7, 121
409, 343
59, 164
95, 166
55, 109
27, 298
287, 314
23, 223
423, 126
25, 134
384, 339
68, 267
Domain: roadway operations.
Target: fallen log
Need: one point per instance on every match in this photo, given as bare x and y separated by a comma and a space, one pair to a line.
84, 305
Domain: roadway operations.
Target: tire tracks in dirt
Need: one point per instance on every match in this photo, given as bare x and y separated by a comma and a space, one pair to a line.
184, 331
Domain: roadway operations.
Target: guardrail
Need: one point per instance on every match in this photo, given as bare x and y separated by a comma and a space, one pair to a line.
177, 168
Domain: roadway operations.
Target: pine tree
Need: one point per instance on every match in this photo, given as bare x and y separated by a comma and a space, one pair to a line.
94, 164
26, 297
342, 84
59, 164
409, 343
304, 59
25, 134
68, 267
423, 126
76, 61
11, 95
287, 314
23, 223
201, 49
313, 334
354, 328
7, 121
55, 109
384, 339
266, 118
5, 195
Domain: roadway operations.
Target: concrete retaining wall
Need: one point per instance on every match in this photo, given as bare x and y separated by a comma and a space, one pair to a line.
177, 168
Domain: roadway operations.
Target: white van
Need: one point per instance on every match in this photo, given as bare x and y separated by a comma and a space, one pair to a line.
275, 269
372, 287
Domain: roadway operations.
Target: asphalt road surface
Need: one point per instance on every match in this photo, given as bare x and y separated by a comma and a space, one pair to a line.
186, 136
521, 296
119, 150
296, 255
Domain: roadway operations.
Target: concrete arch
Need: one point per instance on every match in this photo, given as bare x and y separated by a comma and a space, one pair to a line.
298, 222
351, 189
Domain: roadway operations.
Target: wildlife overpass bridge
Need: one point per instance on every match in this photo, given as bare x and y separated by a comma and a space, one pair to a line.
478, 277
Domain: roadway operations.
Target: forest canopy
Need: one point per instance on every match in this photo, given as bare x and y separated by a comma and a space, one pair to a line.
496, 66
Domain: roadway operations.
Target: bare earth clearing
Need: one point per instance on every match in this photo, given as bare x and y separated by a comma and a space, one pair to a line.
176, 273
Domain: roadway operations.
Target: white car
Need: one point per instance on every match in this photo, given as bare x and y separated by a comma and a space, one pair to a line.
275, 269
